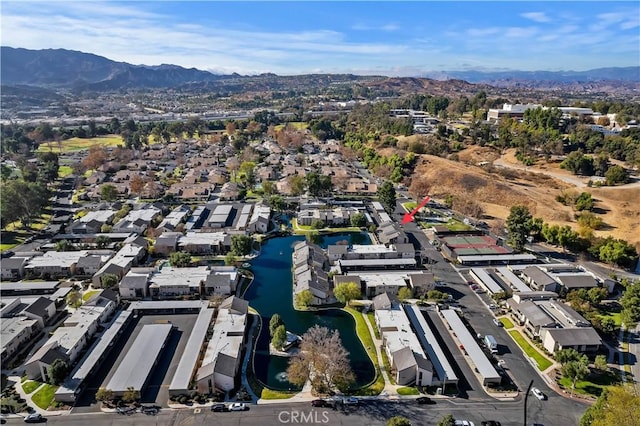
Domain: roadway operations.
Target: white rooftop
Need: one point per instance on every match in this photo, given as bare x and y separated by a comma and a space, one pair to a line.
169, 276
64, 259
198, 238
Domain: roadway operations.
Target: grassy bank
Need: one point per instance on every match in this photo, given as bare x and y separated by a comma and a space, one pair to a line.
542, 362
375, 387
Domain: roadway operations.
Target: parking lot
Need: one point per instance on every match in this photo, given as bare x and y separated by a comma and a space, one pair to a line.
156, 391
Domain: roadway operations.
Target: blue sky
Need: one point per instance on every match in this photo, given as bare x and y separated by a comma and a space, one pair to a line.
390, 38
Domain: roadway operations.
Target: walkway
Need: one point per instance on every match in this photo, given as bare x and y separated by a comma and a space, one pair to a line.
389, 388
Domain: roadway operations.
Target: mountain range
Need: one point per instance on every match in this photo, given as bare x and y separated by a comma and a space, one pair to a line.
79, 71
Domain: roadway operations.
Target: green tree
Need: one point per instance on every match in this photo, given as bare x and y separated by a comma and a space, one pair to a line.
347, 291
229, 259
437, 295
104, 395
74, 298
57, 371
565, 356
584, 202
279, 337
108, 192
589, 220
600, 363
318, 185
276, 202
275, 322
241, 244
109, 280
576, 370
130, 395
269, 187
596, 295
447, 420
297, 185
102, 241
405, 293
64, 245
317, 224
180, 259
387, 196
519, 225
616, 174
616, 406
630, 302
358, 220
398, 421
303, 299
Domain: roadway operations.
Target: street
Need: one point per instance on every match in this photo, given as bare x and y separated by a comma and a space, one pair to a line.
550, 413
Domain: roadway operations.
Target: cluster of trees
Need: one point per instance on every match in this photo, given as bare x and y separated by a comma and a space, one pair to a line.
616, 406
521, 226
323, 360
393, 167
630, 302
580, 164
580, 202
303, 299
347, 291
586, 302
277, 331
575, 366
387, 196
27, 200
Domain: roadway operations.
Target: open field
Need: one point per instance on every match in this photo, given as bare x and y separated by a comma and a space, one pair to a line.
298, 125
77, 144
595, 384
543, 362
506, 322
497, 189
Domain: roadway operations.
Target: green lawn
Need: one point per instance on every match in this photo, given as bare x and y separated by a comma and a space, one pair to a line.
305, 229
543, 362
615, 316
506, 322
595, 384
408, 390
64, 171
364, 335
30, 386
88, 295
274, 394
372, 320
298, 125
44, 397
409, 205
77, 144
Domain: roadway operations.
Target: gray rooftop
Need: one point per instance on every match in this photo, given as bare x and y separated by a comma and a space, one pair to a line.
479, 359
575, 336
484, 279
538, 276
140, 359
182, 377
93, 356
431, 346
513, 279
496, 257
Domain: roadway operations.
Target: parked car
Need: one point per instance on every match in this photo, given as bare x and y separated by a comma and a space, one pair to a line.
238, 406
497, 322
502, 363
464, 423
425, 400
538, 394
352, 400
493, 306
319, 403
490, 423
220, 408
34, 418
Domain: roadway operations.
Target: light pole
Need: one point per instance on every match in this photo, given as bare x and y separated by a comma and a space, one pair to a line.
526, 397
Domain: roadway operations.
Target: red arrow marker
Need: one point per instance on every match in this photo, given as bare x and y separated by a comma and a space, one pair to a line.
408, 217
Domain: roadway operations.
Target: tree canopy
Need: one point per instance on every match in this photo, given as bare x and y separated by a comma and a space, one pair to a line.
387, 196
241, 244
347, 291
519, 225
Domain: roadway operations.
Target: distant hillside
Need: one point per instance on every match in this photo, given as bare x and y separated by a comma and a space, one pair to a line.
543, 79
60, 68
71, 70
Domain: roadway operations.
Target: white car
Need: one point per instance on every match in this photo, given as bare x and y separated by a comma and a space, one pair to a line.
352, 400
238, 406
464, 423
538, 394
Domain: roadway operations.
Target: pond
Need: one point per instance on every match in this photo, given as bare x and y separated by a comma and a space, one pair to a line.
271, 293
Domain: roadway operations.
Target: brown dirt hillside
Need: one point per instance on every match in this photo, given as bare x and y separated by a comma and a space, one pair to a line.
498, 189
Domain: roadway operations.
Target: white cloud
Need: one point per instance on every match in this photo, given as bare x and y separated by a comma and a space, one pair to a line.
540, 17
360, 26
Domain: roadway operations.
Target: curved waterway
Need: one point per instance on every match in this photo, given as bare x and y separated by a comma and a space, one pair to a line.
271, 293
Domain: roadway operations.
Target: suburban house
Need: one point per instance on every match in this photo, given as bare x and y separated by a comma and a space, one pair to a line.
538, 279
409, 363
223, 355
69, 340
259, 222
310, 267
12, 268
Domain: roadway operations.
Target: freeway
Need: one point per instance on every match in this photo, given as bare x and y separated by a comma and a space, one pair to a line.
549, 413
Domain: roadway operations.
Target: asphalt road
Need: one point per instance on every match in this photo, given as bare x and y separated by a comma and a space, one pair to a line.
368, 413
